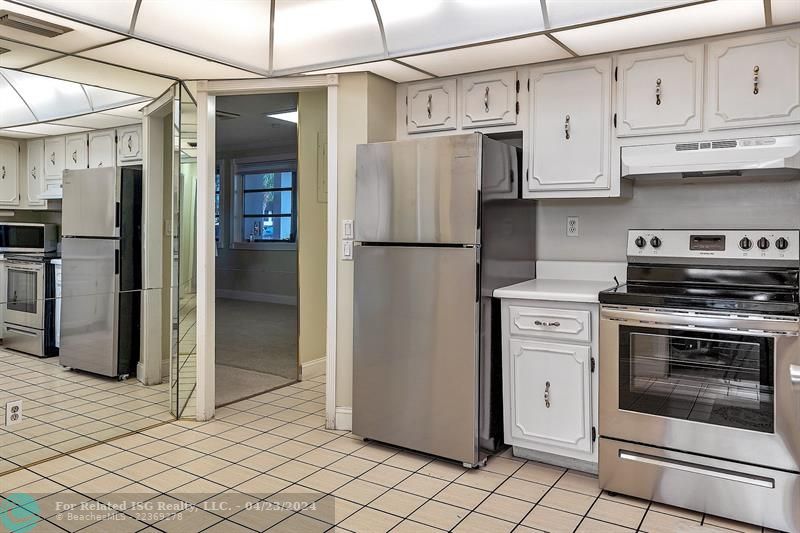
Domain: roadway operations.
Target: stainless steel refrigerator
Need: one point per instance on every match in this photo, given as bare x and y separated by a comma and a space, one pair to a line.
101, 270
439, 225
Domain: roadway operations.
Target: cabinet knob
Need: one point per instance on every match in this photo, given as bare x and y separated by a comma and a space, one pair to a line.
658, 91
755, 79
430, 104
547, 394
566, 127
486, 100
130, 144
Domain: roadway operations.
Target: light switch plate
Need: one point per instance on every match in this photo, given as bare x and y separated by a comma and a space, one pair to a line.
347, 229
13, 412
347, 250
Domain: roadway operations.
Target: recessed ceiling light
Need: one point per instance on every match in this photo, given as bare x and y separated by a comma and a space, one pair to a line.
288, 116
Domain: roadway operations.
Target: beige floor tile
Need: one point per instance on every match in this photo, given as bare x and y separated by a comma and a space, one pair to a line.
408, 461
331, 509
617, 513
77, 475
422, 485
197, 491
439, 515
260, 518
102, 485
18, 479
179, 457
143, 469
121, 524
503, 465
579, 482
290, 431
325, 481
359, 491
369, 520
374, 452
263, 485
299, 523
442, 470
655, 522
54, 466
205, 465
730, 524
118, 461
539, 473
523, 490
236, 453
291, 449
565, 500
387, 476
320, 457
293, 471
168, 480
676, 511
210, 445
352, 466
478, 523
344, 445
408, 526
621, 498
590, 525
265, 441
190, 520
316, 437
505, 508
461, 496
232, 475
264, 461
481, 479
398, 502
223, 527
551, 520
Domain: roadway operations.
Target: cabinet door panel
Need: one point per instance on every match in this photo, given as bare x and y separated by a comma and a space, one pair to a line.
754, 80
102, 149
54, 158
490, 99
76, 151
35, 176
660, 91
550, 390
432, 106
129, 147
571, 126
9, 172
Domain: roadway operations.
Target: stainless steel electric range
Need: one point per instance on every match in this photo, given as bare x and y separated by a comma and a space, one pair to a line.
700, 374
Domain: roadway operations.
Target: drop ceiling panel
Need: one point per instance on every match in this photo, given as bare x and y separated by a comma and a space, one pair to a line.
388, 69
21, 55
128, 111
48, 129
17, 134
785, 11
158, 60
567, 12
82, 35
722, 16
422, 25
97, 121
102, 99
94, 73
235, 31
48, 98
488, 56
13, 110
114, 14
319, 32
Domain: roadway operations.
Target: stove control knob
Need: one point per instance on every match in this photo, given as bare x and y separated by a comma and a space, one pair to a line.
781, 244
745, 243
655, 242
640, 242
763, 243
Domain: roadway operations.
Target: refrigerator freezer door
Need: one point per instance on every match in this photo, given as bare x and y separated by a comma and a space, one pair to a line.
89, 207
89, 305
415, 349
418, 191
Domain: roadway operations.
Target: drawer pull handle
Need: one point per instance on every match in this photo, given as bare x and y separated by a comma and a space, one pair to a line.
430, 105
547, 394
794, 374
755, 79
547, 324
566, 127
486, 100
675, 464
658, 91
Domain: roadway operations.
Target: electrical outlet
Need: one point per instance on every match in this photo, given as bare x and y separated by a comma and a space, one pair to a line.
573, 227
13, 412
347, 250
347, 229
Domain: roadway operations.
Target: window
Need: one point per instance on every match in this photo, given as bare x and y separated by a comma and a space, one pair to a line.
267, 202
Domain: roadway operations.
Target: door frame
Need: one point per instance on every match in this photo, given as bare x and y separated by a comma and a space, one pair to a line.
206, 93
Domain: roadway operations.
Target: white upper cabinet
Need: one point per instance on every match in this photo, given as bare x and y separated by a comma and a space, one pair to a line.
54, 162
9, 172
102, 149
660, 91
129, 144
35, 173
570, 126
754, 80
76, 153
432, 106
489, 99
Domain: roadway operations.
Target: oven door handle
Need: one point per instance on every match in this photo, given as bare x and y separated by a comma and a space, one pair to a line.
704, 322
21, 331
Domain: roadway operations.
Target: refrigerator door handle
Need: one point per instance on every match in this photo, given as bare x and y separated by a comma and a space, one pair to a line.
480, 208
117, 215
116, 261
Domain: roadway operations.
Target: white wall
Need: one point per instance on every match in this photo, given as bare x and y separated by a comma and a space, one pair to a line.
711, 204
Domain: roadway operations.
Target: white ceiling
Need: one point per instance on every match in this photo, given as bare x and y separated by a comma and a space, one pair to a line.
252, 129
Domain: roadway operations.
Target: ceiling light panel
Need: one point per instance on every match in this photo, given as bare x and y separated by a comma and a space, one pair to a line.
785, 11
713, 18
312, 33
94, 73
159, 60
129, 111
422, 25
488, 56
388, 69
13, 110
568, 12
48, 129
106, 99
113, 14
48, 98
97, 121
17, 134
235, 31
80, 37
21, 55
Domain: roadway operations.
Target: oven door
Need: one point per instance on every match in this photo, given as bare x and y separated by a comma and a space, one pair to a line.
25, 294
715, 385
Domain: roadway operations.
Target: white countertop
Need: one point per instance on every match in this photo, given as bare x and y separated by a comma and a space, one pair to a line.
559, 290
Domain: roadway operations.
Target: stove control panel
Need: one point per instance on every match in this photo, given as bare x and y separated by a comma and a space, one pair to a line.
780, 245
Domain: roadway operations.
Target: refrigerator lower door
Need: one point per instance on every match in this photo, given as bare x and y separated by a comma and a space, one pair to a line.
89, 305
90, 204
415, 381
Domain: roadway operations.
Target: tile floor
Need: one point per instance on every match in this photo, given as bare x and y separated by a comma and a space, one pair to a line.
273, 449
65, 410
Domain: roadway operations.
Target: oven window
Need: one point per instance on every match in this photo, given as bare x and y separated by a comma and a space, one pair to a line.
713, 378
21, 286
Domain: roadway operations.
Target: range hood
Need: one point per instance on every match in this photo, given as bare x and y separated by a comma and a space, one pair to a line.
758, 156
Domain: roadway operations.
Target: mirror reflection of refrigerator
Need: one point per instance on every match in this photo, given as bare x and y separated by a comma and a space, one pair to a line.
101, 252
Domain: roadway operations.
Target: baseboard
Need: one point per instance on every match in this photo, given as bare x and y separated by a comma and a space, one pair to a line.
164, 372
257, 297
313, 368
344, 418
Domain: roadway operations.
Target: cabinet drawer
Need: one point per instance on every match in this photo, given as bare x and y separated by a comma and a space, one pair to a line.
567, 324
